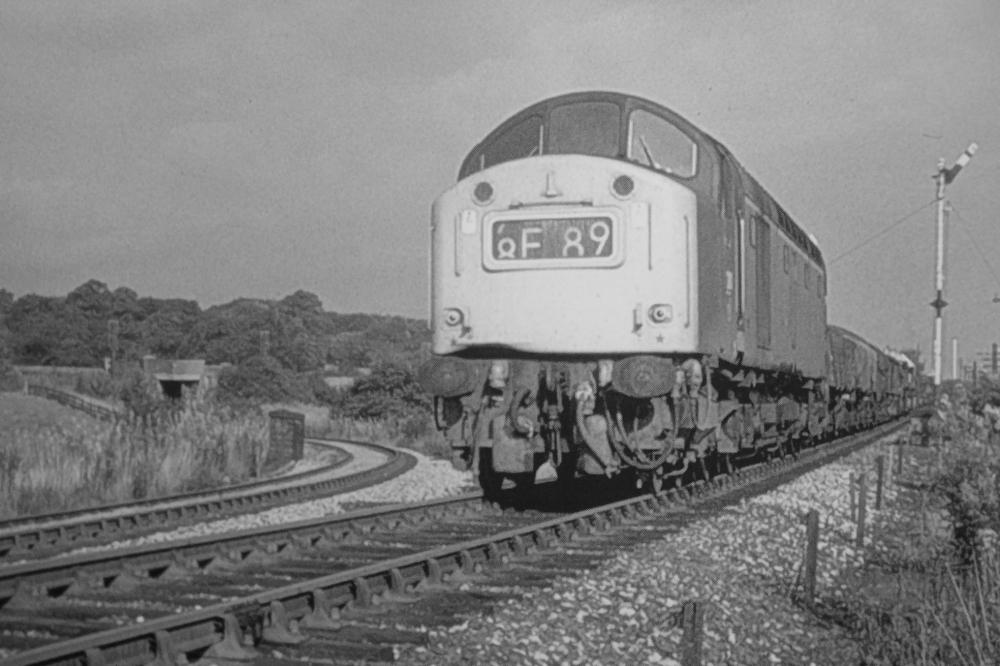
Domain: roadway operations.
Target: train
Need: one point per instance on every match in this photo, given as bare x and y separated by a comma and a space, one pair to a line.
614, 295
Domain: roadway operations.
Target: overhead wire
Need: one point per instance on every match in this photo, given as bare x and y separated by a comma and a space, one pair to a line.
881, 233
972, 241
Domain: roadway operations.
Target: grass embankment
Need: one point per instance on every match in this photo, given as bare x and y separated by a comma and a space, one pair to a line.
929, 592
53, 459
416, 432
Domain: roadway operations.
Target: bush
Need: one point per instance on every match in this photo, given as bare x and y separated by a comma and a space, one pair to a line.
970, 489
390, 391
942, 604
98, 384
261, 379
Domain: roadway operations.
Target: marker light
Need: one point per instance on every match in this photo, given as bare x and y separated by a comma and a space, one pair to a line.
498, 374
483, 193
623, 186
453, 317
661, 313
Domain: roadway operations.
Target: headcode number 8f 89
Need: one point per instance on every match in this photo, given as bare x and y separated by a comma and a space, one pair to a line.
553, 239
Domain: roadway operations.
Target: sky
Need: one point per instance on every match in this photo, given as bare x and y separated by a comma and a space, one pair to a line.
215, 150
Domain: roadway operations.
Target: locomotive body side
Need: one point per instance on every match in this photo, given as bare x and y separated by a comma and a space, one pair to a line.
702, 238
611, 291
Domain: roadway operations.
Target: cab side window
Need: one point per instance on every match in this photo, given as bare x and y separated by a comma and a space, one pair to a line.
656, 143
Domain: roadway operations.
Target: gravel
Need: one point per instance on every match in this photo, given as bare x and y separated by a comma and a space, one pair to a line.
428, 479
744, 561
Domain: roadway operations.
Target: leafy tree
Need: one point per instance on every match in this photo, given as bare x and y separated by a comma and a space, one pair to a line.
73, 330
166, 324
303, 301
93, 296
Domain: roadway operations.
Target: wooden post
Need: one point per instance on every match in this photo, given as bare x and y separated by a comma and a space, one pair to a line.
923, 515
809, 565
853, 500
859, 539
880, 471
692, 624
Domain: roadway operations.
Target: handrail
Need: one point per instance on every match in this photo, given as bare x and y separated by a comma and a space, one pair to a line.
75, 401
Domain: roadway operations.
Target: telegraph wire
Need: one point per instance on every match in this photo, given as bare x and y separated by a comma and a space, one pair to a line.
974, 244
881, 233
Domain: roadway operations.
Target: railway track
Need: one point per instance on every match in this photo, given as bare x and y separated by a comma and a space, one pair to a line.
282, 592
50, 534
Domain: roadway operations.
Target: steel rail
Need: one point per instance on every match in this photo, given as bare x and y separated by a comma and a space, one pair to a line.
49, 578
274, 616
39, 536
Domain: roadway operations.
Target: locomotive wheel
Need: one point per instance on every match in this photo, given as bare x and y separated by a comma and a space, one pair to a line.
566, 476
524, 489
490, 480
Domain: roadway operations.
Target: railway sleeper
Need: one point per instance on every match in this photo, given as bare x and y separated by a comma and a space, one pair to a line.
323, 614
280, 628
233, 646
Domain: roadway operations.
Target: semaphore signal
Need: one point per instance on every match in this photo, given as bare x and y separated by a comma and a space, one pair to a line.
943, 177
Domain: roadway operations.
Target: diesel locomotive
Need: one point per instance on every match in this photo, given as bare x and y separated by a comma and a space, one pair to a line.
613, 293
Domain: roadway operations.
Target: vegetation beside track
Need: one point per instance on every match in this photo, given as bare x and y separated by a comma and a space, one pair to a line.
930, 591
159, 449
209, 439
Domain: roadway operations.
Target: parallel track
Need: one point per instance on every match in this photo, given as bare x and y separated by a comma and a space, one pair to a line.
269, 584
50, 534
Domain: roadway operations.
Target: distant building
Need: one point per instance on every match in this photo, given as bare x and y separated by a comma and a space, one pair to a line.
174, 375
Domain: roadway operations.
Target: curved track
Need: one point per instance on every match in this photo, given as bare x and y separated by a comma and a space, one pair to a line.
49, 534
209, 597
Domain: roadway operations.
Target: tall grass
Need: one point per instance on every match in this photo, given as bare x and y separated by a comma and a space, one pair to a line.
415, 432
944, 614
939, 603
195, 445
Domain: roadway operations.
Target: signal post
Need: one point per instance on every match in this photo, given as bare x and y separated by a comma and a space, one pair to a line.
943, 177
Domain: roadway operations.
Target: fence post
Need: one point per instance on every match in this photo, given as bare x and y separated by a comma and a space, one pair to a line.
809, 565
854, 507
692, 624
924, 527
859, 539
880, 472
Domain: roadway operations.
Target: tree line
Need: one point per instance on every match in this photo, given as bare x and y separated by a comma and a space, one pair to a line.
93, 322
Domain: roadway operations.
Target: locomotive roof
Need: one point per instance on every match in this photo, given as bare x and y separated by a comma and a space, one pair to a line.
781, 218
